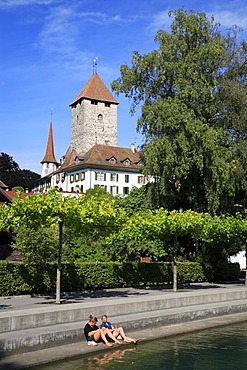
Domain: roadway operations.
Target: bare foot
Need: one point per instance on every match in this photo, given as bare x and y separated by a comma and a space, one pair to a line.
117, 342
135, 341
108, 344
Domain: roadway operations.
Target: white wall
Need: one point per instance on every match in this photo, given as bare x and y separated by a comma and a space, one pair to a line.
90, 181
240, 258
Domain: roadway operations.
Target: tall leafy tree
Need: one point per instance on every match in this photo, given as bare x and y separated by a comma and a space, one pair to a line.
139, 199
100, 212
101, 215
43, 211
192, 92
162, 235
8, 170
12, 175
49, 222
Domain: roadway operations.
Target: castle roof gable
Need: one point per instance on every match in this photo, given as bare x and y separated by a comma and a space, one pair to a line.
100, 155
95, 89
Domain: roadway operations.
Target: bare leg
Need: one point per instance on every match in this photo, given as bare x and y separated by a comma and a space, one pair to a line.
128, 339
100, 334
110, 335
120, 331
104, 338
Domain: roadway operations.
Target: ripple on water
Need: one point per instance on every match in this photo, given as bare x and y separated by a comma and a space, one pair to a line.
222, 348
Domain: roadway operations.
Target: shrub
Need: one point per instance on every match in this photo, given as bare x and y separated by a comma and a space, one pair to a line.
13, 279
17, 278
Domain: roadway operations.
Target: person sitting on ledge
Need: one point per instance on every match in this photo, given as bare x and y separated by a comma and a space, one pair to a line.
116, 332
94, 334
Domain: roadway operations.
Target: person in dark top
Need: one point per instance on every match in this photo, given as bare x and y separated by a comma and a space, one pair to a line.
117, 332
94, 334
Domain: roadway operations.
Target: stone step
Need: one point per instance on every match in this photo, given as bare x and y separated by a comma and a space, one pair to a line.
51, 314
33, 339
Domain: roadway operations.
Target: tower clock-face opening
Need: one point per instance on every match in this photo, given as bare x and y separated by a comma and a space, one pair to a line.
100, 117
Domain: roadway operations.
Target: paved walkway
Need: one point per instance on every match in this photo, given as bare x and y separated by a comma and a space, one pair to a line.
38, 300
30, 303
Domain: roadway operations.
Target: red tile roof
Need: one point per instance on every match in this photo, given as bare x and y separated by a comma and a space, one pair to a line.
12, 194
49, 154
6, 196
95, 89
100, 156
69, 158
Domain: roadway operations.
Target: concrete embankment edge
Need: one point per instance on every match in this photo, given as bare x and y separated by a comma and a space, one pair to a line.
49, 355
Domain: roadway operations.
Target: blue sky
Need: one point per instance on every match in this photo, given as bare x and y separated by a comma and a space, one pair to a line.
47, 48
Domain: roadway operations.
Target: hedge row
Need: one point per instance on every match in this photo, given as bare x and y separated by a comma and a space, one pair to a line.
16, 278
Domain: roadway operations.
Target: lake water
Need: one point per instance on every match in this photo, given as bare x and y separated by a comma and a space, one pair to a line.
222, 348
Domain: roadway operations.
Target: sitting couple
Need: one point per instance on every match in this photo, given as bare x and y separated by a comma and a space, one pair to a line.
105, 333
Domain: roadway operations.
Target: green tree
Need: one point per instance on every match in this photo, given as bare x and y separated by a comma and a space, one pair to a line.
162, 235
4, 216
101, 215
193, 123
39, 252
27, 178
139, 199
18, 188
173, 228
12, 175
220, 237
136, 238
37, 246
44, 211
8, 170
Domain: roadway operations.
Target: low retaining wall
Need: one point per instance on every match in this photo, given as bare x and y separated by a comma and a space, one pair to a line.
46, 327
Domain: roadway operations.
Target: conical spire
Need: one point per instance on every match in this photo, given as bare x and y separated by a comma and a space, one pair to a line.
49, 154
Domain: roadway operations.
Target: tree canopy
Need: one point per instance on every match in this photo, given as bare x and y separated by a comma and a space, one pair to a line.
96, 227
12, 175
37, 212
192, 92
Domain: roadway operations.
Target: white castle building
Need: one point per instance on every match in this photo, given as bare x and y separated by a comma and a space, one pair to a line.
93, 157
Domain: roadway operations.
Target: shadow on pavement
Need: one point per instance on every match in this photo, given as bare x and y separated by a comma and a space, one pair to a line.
128, 292
3, 306
80, 296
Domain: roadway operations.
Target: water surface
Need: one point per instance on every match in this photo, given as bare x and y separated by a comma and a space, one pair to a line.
222, 348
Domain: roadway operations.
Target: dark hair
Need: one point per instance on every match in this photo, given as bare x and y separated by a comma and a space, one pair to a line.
92, 318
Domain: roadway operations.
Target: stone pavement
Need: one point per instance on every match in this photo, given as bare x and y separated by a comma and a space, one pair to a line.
34, 301
34, 330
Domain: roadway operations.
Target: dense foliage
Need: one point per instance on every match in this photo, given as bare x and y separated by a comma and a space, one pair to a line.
11, 174
21, 278
96, 228
192, 92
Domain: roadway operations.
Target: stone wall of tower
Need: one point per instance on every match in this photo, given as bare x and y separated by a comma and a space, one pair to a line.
47, 168
93, 124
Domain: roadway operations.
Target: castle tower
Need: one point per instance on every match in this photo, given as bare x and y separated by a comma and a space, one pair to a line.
49, 163
94, 116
